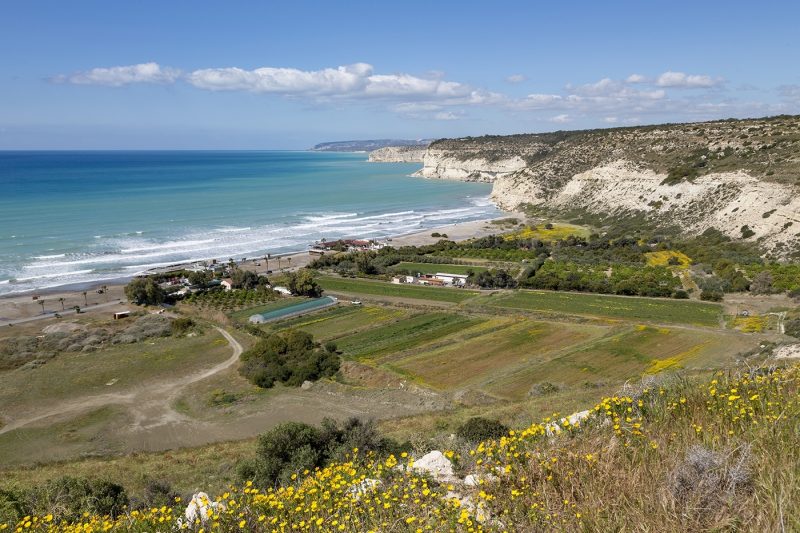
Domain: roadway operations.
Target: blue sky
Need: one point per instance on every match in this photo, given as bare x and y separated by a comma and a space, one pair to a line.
286, 75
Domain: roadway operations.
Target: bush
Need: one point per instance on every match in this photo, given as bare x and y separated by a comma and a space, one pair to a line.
67, 498
290, 358
711, 296
182, 326
292, 447
747, 232
479, 429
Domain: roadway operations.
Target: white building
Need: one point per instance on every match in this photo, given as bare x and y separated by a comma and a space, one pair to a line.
457, 280
227, 284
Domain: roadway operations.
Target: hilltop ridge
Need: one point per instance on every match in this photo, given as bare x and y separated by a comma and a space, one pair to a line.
741, 177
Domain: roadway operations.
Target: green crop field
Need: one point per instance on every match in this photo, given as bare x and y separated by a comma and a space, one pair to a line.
402, 335
340, 320
433, 268
627, 355
382, 288
500, 350
628, 308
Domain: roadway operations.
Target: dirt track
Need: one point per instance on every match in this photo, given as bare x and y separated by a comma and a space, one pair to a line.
150, 406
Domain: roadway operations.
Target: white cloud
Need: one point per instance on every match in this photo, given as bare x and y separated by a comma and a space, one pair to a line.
635, 78
516, 78
610, 120
122, 75
446, 115
681, 79
408, 85
329, 81
560, 119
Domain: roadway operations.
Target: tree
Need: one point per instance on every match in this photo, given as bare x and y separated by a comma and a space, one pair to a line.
144, 291
85, 300
41, 302
246, 279
762, 283
302, 283
62, 303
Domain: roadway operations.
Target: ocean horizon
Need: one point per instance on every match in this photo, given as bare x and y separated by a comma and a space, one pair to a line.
82, 217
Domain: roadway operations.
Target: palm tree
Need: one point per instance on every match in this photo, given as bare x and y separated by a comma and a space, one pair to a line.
41, 302
62, 303
290, 261
85, 300
105, 291
266, 259
279, 263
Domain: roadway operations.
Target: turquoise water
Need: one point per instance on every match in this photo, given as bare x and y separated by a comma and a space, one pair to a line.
83, 217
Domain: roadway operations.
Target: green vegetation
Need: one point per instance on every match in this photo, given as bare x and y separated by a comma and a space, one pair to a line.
291, 359
338, 321
293, 448
144, 291
479, 429
631, 308
402, 335
218, 299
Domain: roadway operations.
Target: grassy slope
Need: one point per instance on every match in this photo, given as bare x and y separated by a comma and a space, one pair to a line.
710, 455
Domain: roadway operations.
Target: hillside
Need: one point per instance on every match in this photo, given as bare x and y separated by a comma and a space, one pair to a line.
741, 177
678, 455
367, 145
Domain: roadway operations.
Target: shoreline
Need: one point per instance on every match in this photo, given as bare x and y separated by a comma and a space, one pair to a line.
21, 305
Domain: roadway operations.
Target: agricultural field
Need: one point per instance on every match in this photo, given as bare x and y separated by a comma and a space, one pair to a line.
630, 354
415, 330
621, 307
230, 300
382, 288
473, 361
433, 268
338, 321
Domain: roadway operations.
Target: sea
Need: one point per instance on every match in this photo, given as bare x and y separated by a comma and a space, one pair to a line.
82, 218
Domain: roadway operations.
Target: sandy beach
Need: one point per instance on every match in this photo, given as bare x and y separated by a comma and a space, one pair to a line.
24, 306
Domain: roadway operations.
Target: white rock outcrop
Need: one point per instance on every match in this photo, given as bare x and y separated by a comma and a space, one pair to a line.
398, 154
437, 466
200, 507
438, 164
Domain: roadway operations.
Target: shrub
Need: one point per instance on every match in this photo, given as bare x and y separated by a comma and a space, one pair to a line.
182, 326
293, 447
289, 358
479, 429
747, 232
436, 234
711, 296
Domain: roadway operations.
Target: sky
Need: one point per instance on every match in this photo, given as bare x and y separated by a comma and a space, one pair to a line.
287, 75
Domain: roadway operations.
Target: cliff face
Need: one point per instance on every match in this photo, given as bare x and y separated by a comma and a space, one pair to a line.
724, 175
397, 154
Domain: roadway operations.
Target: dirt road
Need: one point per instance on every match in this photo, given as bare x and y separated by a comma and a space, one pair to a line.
150, 405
